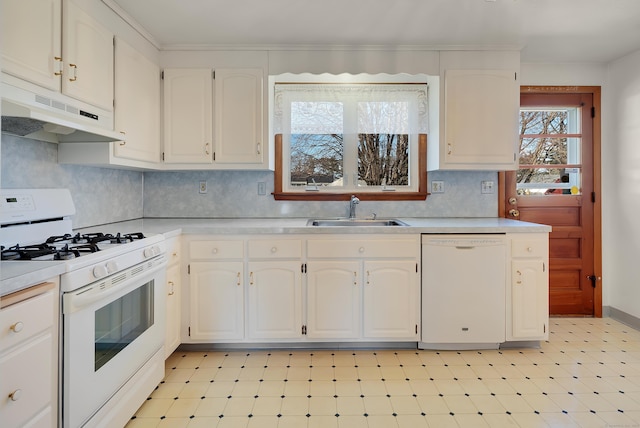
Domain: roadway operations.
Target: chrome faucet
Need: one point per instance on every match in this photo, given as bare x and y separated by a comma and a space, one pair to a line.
352, 206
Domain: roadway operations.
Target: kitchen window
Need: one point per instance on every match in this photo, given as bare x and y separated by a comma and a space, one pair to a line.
336, 138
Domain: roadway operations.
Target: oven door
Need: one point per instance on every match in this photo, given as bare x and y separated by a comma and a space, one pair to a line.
110, 330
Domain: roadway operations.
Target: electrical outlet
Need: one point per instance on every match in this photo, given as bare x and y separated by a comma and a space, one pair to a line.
487, 187
262, 188
203, 187
437, 187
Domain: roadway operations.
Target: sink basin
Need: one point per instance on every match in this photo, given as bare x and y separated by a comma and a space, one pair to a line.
355, 222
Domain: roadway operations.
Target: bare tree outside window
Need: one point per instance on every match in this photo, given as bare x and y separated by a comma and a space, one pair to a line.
547, 140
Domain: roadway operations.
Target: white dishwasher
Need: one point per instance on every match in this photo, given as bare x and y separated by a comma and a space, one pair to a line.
463, 291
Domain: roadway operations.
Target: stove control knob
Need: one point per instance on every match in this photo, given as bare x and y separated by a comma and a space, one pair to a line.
151, 251
99, 271
111, 266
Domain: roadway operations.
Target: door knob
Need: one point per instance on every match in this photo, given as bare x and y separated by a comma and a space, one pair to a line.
514, 213
513, 201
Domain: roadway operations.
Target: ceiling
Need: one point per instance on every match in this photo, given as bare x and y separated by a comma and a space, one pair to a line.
544, 30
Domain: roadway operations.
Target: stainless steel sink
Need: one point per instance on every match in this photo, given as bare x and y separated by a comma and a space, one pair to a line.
355, 222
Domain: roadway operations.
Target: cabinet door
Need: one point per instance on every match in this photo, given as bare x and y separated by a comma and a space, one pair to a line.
216, 303
88, 58
275, 300
391, 299
481, 119
529, 300
31, 44
188, 115
172, 337
334, 299
239, 116
137, 105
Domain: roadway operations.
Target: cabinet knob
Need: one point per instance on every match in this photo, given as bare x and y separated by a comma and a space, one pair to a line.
214, 251
15, 395
529, 249
274, 249
17, 327
361, 249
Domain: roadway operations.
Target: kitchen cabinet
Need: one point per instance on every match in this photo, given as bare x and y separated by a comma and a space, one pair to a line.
173, 291
274, 289
137, 105
55, 44
215, 118
217, 301
481, 120
216, 309
29, 356
363, 287
527, 292
476, 124
334, 300
188, 116
239, 124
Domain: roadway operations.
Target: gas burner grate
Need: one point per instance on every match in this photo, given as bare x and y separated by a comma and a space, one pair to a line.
28, 252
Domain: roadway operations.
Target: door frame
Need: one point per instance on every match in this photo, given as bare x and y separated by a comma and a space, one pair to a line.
595, 91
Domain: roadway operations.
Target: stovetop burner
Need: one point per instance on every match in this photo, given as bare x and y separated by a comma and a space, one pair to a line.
28, 252
68, 246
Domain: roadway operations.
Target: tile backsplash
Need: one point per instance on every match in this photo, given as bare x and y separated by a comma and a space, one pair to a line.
104, 195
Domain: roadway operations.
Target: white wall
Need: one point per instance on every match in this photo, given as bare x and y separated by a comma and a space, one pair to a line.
621, 185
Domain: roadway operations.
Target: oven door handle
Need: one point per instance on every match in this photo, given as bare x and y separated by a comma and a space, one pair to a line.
92, 293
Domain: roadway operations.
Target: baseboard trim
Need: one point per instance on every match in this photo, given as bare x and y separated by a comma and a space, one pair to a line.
623, 317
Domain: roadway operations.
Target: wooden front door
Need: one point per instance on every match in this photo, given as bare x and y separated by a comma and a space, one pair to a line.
557, 184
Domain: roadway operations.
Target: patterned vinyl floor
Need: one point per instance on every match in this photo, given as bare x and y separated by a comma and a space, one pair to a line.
586, 375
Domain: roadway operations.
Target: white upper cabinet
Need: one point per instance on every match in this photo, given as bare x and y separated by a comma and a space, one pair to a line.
87, 49
239, 126
137, 98
70, 52
188, 115
479, 108
215, 118
31, 43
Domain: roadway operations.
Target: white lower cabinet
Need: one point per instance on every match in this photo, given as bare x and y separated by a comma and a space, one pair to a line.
363, 287
527, 293
217, 301
275, 300
390, 293
333, 299
29, 357
174, 296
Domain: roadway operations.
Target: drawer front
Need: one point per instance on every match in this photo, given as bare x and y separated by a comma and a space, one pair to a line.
214, 250
275, 249
173, 250
25, 319
529, 248
387, 248
27, 376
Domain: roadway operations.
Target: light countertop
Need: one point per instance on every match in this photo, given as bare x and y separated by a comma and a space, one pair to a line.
16, 275
235, 226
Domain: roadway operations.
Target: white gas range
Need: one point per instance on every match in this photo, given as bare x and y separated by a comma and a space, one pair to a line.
112, 304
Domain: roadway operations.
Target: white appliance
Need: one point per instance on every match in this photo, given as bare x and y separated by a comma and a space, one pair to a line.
112, 305
463, 291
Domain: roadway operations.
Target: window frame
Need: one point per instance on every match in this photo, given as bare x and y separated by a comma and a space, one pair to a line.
417, 172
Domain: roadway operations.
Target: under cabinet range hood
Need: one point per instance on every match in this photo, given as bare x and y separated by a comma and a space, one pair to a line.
40, 114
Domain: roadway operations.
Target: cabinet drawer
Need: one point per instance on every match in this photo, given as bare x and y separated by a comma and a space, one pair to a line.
529, 248
213, 250
27, 372
387, 248
25, 319
173, 250
275, 249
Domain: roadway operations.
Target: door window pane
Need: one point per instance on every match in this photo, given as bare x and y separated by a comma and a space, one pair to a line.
550, 152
